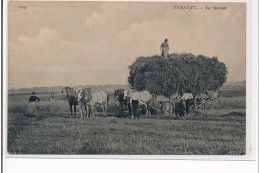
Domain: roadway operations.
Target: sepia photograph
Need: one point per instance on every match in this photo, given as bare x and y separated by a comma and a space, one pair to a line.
95, 78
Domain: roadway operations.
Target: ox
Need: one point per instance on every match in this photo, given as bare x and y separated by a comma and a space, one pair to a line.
86, 97
69, 94
139, 98
121, 95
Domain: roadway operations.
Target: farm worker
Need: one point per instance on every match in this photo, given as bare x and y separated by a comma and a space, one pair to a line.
164, 48
32, 107
179, 109
34, 98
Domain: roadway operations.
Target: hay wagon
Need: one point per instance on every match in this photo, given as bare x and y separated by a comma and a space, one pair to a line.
203, 101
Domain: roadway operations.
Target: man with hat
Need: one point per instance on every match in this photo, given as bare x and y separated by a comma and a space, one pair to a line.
164, 48
32, 107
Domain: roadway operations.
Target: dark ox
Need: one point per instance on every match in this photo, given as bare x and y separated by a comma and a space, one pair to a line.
121, 96
70, 95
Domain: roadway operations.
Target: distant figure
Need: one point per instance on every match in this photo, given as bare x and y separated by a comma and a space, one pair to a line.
164, 48
32, 107
52, 98
34, 98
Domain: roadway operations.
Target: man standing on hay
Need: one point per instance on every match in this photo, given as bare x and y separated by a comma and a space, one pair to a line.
164, 48
32, 107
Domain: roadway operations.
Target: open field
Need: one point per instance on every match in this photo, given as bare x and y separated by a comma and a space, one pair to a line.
219, 132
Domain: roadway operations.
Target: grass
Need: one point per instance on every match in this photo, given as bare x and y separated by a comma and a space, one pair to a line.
239, 92
212, 132
231, 103
197, 134
19, 104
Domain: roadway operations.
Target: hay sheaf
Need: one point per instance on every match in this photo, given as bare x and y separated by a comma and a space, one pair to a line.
179, 73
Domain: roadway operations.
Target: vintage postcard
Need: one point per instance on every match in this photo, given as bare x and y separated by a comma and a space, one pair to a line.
131, 80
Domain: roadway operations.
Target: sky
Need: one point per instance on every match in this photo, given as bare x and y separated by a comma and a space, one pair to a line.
93, 43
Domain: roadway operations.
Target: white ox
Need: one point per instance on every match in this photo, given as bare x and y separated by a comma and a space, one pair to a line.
143, 98
86, 97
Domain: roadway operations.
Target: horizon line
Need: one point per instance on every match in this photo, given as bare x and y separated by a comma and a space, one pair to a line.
12, 88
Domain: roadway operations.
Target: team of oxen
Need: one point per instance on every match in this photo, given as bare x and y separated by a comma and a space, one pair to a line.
86, 99
130, 101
